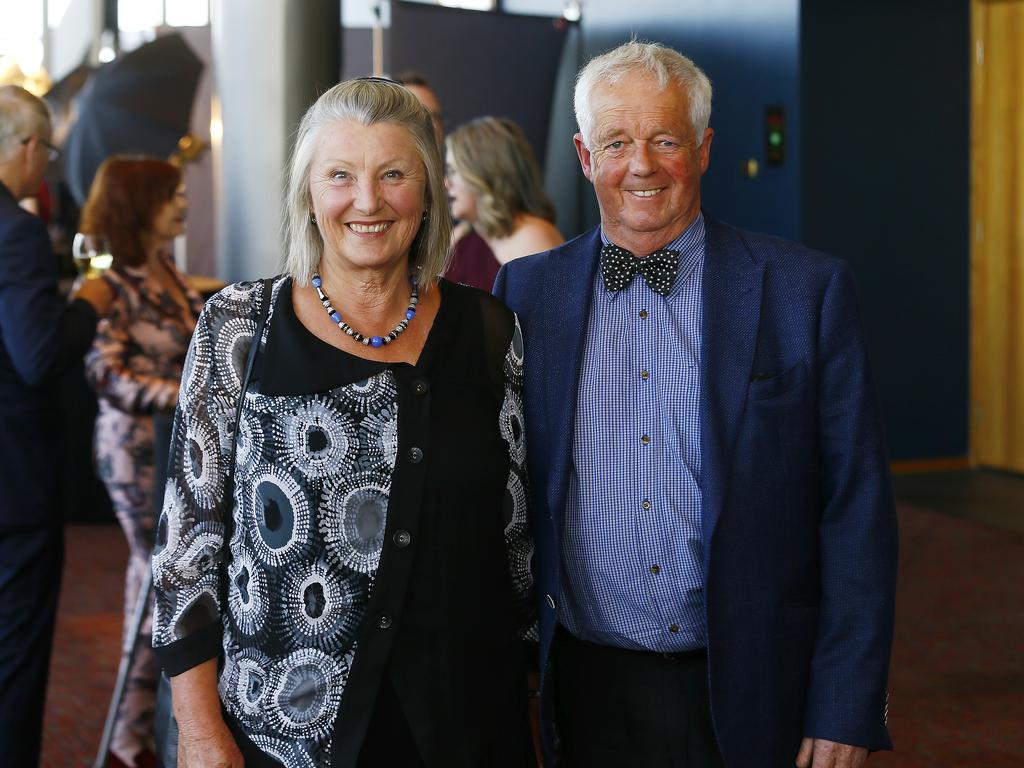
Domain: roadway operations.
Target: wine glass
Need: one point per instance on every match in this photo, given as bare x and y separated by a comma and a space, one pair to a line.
91, 254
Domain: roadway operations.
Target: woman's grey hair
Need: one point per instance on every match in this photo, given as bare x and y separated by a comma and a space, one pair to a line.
666, 64
21, 115
494, 157
368, 102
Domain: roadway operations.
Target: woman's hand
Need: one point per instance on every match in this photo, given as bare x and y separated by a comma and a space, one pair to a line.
98, 293
204, 740
215, 750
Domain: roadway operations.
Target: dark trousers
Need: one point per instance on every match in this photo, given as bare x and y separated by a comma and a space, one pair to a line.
30, 568
622, 709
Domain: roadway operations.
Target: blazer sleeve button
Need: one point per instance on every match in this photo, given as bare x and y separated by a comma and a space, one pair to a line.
401, 538
415, 455
384, 622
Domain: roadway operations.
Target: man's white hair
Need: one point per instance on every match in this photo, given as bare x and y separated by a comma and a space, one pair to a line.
21, 115
666, 64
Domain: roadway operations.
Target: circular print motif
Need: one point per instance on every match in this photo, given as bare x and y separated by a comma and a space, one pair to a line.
250, 442
291, 754
306, 693
515, 504
199, 462
515, 349
247, 594
196, 606
370, 394
277, 516
378, 435
353, 516
168, 533
240, 293
234, 336
243, 684
322, 606
197, 364
510, 423
317, 441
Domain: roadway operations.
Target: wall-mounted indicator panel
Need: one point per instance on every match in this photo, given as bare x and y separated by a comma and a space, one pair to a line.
774, 136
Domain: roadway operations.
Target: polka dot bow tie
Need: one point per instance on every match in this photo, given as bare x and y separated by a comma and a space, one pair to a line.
619, 266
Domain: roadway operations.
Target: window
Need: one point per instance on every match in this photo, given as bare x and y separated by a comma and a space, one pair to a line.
21, 38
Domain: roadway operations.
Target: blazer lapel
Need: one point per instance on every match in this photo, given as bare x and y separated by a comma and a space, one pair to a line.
732, 288
568, 291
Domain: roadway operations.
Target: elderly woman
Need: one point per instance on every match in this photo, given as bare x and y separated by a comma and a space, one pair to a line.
135, 366
359, 593
495, 186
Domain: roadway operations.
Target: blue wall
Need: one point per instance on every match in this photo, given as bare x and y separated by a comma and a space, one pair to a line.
886, 187
876, 99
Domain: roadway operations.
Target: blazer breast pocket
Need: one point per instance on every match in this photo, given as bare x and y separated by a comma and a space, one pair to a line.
767, 385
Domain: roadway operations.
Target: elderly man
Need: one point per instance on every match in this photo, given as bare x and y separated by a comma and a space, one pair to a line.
40, 337
716, 539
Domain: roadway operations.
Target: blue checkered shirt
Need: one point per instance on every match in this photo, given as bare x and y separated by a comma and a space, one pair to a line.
632, 573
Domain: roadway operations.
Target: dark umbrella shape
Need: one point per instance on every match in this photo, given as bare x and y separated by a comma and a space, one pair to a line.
139, 104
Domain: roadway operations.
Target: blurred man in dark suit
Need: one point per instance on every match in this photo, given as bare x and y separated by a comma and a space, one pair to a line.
40, 337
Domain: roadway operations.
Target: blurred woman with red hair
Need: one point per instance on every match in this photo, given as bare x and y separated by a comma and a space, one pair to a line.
138, 205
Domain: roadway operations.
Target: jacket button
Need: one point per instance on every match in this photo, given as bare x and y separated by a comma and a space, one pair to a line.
420, 387
384, 622
415, 455
401, 538
551, 601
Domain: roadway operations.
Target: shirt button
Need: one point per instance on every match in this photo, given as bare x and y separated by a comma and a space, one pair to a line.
420, 387
415, 455
645, 439
657, 569
646, 504
384, 622
673, 627
401, 538
645, 375
643, 314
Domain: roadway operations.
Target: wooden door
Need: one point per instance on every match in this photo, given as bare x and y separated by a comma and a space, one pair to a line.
997, 228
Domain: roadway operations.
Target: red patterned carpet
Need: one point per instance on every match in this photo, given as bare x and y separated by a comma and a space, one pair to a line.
957, 693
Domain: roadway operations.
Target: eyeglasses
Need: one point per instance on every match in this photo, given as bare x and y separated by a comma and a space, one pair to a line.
52, 153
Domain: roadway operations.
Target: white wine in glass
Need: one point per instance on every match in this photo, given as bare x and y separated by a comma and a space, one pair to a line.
91, 254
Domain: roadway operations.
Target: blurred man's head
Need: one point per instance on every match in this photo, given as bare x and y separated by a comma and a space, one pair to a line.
421, 89
25, 133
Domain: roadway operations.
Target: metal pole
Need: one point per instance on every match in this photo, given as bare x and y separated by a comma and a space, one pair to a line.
128, 649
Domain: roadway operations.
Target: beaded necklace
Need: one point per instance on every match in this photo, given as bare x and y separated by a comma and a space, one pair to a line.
368, 341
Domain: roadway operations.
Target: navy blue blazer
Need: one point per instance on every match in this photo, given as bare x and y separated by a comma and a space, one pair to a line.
41, 336
799, 526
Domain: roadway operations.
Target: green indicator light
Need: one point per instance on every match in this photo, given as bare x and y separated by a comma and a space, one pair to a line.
775, 138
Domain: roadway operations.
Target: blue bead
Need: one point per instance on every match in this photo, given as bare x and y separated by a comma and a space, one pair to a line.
376, 341
335, 317
409, 314
317, 282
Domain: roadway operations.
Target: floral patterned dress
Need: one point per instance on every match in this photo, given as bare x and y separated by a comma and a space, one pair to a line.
135, 367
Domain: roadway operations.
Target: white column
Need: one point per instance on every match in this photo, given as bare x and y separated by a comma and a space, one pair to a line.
272, 58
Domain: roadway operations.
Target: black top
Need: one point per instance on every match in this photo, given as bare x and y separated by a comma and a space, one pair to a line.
379, 531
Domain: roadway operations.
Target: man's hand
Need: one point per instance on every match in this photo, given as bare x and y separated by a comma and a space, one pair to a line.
819, 753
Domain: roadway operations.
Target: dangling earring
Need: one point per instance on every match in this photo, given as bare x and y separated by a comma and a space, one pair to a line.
426, 215
312, 218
